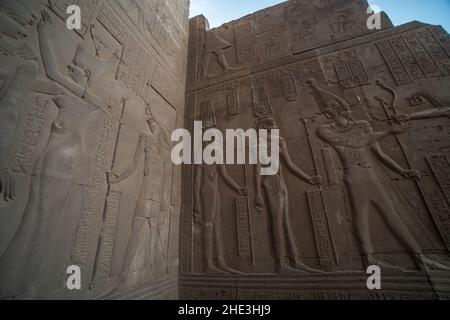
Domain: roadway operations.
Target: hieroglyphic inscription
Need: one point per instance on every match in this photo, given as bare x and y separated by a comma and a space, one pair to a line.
261, 101
110, 21
442, 37
26, 149
289, 87
272, 44
80, 250
136, 67
393, 62
233, 101
243, 226
108, 234
346, 69
435, 50
244, 34
186, 249
321, 234
426, 63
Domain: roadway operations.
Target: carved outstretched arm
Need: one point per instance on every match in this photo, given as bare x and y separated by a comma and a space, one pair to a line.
115, 178
291, 165
50, 61
49, 58
389, 162
228, 179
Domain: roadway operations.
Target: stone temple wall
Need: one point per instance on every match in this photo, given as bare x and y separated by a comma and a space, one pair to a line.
86, 178
85, 170
366, 110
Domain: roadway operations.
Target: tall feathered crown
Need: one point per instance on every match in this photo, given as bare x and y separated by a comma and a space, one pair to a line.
327, 100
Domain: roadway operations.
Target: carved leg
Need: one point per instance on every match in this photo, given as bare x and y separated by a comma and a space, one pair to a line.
224, 63
208, 242
219, 250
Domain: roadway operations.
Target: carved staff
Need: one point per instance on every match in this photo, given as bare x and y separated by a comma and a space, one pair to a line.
322, 195
108, 192
250, 223
393, 106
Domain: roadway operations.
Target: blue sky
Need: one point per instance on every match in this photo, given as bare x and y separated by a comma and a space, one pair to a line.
400, 11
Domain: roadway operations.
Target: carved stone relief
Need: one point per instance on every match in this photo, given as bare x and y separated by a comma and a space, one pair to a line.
71, 104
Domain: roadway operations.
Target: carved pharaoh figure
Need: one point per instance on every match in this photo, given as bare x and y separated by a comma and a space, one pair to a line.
153, 147
22, 264
207, 204
359, 151
276, 193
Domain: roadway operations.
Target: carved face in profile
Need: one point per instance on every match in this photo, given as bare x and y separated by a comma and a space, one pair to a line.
268, 124
337, 112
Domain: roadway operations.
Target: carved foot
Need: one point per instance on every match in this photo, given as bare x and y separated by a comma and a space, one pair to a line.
223, 266
286, 269
300, 266
231, 70
385, 266
426, 262
213, 269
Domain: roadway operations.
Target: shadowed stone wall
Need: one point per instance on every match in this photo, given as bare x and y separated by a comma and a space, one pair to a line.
85, 170
364, 120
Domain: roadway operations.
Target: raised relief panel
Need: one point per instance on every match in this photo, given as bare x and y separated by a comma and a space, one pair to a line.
233, 102
442, 37
245, 40
435, 50
408, 59
272, 44
394, 63
304, 34
345, 22
268, 18
289, 87
427, 64
243, 227
261, 101
25, 153
322, 235
346, 69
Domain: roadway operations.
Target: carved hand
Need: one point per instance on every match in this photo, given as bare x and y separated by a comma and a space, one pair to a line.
400, 118
7, 185
411, 174
164, 207
259, 202
243, 191
113, 178
317, 180
45, 25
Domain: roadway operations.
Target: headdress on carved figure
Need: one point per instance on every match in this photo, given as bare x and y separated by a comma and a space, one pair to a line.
327, 100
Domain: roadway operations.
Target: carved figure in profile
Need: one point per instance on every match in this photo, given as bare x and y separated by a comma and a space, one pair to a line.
215, 47
359, 151
276, 192
153, 147
22, 265
207, 210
